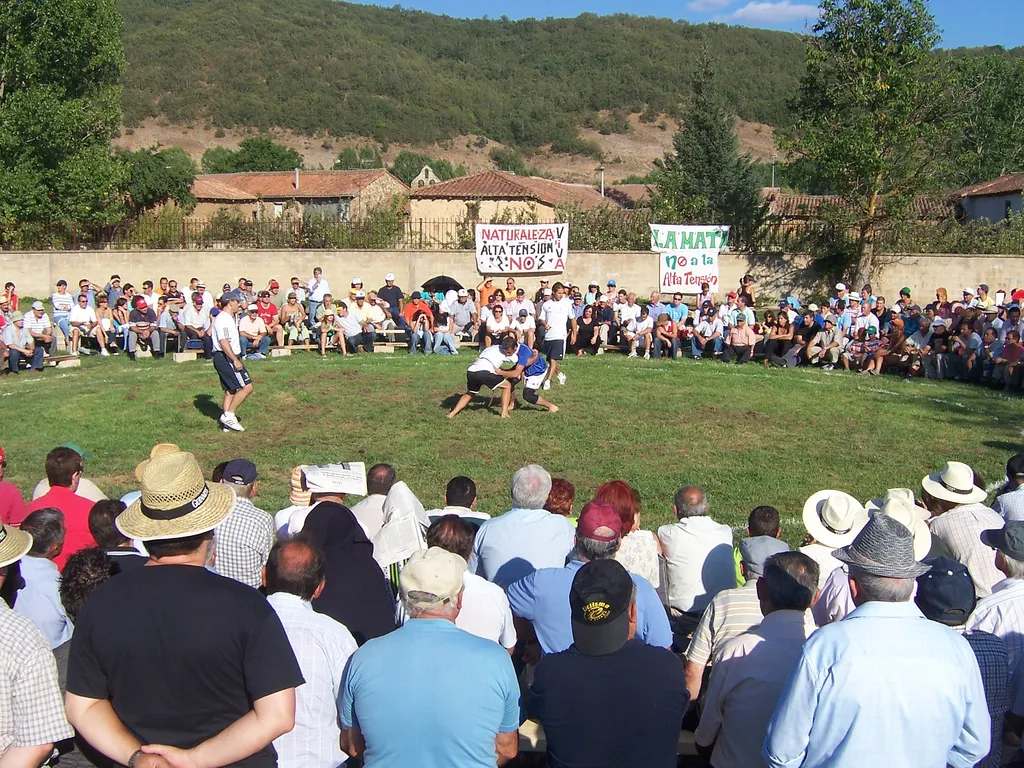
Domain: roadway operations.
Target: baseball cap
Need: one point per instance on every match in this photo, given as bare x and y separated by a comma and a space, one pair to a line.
840, 286
812, 307
225, 288
612, 283
969, 291
360, 295
17, 316
904, 291
741, 318
1009, 539
547, 291
3, 456
831, 319
872, 330
599, 521
61, 282
1017, 295
248, 282
599, 601
520, 292
755, 551
264, 294
274, 284
431, 578
417, 295
523, 313
357, 281
389, 277
240, 472
37, 305
732, 294
252, 308
946, 593
463, 292
292, 295
595, 283
983, 287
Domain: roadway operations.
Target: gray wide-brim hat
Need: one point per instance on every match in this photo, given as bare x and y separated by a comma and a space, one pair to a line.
884, 547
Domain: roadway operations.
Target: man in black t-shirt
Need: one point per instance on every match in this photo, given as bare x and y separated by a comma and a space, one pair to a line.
142, 330
392, 295
642, 687
173, 660
802, 337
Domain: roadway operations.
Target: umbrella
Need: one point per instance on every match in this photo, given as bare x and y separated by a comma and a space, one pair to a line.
442, 284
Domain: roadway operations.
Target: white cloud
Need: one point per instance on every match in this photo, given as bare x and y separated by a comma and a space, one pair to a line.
779, 12
703, 6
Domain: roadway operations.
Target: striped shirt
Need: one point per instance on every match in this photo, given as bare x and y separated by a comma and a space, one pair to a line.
1010, 505
243, 543
993, 661
731, 613
960, 530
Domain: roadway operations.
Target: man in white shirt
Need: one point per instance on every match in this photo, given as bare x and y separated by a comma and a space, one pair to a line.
84, 326
253, 334
370, 511
710, 330
525, 327
62, 303
196, 319
37, 322
294, 576
227, 360
556, 315
519, 303
627, 311
317, 288
751, 670
487, 371
1002, 612
699, 555
460, 499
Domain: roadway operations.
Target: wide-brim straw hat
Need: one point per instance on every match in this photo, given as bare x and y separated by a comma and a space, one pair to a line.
884, 547
954, 482
14, 544
176, 501
899, 509
833, 518
903, 494
160, 449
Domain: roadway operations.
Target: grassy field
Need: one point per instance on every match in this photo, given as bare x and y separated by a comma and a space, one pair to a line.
747, 434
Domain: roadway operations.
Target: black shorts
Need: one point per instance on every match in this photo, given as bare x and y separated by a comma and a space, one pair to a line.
477, 379
230, 379
554, 350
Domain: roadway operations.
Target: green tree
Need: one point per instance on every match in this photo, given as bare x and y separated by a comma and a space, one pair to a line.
157, 176
875, 113
351, 159
706, 179
252, 155
218, 160
408, 165
60, 104
507, 159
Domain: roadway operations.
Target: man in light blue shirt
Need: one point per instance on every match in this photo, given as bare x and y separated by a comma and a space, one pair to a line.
429, 694
884, 686
677, 310
39, 600
543, 596
1010, 502
526, 538
656, 306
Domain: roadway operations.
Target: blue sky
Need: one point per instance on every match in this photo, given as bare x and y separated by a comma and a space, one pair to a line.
964, 22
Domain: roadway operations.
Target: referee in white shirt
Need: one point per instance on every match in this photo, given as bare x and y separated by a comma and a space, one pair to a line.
226, 359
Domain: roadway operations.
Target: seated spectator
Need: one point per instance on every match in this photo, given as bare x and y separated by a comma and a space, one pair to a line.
39, 600
698, 554
1007, 369
751, 670
294, 577
460, 499
109, 539
709, 330
832, 519
642, 689
402, 533
826, 346
86, 487
917, 346
464, 315
496, 326
1001, 613
64, 468
639, 550
527, 537
293, 320
20, 345
541, 597
666, 337
330, 331
171, 327
1009, 500
442, 721
142, 329
731, 612
370, 511
780, 337
741, 341
638, 332
253, 334
890, 352
270, 314
12, 504
84, 325
37, 323
420, 320
245, 536
444, 336
355, 332
561, 498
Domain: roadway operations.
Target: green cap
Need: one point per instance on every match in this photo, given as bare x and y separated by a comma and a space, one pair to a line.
904, 290
77, 449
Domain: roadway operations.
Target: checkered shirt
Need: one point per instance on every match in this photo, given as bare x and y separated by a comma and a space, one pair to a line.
993, 661
1010, 505
31, 706
243, 543
960, 530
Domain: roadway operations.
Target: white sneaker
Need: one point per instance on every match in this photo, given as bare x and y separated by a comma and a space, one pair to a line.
632, 353
104, 352
600, 350
561, 377
232, 423
647, 355
84, 351
73, 353
547, 384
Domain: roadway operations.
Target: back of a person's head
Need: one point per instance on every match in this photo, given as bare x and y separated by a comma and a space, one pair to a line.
452, 533
47, 527
791, 581
530, 487
624, 498
101, 524
690, 501
61, 466
83, 572
764, 521
460, 492
380, 478
881, 589
187, 545
296, 567
560, 497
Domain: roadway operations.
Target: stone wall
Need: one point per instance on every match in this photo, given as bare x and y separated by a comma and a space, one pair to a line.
35, 273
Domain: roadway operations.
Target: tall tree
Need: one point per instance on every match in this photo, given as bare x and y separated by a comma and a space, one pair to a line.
874, 112
706, 179
158, 176
257, 154
60, 105
408, 165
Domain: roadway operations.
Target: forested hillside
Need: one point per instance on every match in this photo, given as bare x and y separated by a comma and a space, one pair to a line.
398, 75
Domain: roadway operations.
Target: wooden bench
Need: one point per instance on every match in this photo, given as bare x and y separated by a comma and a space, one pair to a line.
531, 739
63, 361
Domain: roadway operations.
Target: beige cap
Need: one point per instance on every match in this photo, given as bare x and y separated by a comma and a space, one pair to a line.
432, 578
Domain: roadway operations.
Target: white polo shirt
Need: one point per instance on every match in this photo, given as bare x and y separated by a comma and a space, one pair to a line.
224, 327
82, 315
491, 360
556, 314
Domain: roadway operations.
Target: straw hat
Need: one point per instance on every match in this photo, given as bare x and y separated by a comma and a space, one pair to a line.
160, 449
176, 501
898, 509
955, 482
833, 518
14, 544
903, 494
299, 496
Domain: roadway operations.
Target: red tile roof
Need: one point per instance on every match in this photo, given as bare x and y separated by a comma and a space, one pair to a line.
1004, 185
788, 206
495, 185
211, 188
281, 184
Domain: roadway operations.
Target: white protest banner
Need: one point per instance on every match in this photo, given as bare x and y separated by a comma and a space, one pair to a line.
521, 247
688, 255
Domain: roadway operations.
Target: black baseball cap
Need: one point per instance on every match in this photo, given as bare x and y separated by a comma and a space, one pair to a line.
946, 593
599, 600
240, 472
1009, 539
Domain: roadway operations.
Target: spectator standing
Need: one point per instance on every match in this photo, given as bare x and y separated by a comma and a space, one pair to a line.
370, 511
12, 504
1009, 503
698, 554
525, 538
317, 288
862, 691
392, 295
31, 711
294, 576
440, 720
751, 670
246, 535
642, 690
64, 468
39, 599
214, 649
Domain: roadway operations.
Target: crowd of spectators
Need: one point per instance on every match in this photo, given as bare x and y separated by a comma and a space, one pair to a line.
183, 625
976, 338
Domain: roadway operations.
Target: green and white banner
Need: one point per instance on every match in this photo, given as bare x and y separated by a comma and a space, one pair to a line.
688, 255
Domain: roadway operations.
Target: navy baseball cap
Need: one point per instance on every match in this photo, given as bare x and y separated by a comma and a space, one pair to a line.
599, 601
946, 593
240, 472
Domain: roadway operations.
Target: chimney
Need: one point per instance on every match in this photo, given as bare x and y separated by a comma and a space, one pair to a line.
296, 178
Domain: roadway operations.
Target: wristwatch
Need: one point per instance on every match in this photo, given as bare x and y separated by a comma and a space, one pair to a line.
135, 756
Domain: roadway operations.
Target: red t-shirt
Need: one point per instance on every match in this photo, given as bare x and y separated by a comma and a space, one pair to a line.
76, 517
267, 313
12, 505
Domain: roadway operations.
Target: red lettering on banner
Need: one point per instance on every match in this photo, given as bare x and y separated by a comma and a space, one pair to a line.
688, 280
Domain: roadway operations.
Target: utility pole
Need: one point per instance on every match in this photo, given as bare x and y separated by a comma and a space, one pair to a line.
602, 180
774, 155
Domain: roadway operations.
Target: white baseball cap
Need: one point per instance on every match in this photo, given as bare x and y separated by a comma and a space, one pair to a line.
389, 277
812, 307
463, 292
432, 578
594, 282
37, 305
357, 281
840, 286
547, 291
252, 308
970, 291
360, 295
